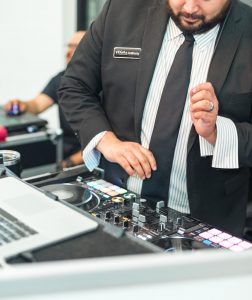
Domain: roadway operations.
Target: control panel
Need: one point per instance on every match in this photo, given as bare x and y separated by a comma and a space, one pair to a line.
147, 220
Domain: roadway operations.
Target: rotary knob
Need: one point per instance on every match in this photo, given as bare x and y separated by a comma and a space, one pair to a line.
143, 202
116, 219
129, 196
125, 224
135, 228
107, 215
117, 201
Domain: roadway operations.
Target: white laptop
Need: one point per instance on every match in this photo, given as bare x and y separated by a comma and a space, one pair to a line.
29, 219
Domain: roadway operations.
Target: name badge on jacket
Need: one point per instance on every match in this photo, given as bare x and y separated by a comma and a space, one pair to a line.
127, 53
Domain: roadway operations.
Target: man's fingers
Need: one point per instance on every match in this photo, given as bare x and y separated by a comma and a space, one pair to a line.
206, 86
143, 167
132, 157
8, 106
150, 157
204, 105
136, 165
204, 116
143, 161
138, 160
123, 162
200, 96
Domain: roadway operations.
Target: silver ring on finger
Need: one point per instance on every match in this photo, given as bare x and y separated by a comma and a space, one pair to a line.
211, 106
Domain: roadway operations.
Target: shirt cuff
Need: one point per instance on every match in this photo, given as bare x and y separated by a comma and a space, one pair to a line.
225, 150
91, 156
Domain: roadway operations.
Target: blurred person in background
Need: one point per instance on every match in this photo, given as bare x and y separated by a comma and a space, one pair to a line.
48, 97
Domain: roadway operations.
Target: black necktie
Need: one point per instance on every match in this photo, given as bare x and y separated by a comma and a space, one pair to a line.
168, 119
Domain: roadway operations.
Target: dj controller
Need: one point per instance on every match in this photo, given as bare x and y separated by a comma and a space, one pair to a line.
152, 222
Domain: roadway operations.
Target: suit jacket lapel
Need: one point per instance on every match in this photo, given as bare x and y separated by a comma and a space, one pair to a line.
225, 52
152, 40
222, 59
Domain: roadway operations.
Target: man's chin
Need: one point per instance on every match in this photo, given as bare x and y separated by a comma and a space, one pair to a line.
190, 26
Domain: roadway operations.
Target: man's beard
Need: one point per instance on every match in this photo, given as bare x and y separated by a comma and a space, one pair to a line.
204, 25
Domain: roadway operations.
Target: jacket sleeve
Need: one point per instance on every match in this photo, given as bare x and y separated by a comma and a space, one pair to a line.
81, 86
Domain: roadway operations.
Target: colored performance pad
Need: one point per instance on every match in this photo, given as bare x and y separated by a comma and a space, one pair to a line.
225, 240
106, 187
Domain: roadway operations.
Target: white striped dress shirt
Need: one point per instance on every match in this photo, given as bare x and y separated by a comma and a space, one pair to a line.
225, 151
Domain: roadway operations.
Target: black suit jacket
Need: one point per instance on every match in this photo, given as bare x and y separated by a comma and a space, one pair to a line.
100, 92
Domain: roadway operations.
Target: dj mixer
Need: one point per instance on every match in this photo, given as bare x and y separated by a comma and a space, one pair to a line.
152, 222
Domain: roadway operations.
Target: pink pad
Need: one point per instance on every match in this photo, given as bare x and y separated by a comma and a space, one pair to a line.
3, 133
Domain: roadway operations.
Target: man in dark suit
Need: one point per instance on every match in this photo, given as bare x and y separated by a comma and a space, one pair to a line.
113, 86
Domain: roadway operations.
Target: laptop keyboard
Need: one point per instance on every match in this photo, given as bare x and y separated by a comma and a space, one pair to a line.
12, 229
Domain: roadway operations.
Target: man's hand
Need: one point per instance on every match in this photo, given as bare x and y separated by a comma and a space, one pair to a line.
204, 111
36, 106
22, 105
132, 157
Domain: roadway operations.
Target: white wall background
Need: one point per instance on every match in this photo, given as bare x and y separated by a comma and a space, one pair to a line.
33, 35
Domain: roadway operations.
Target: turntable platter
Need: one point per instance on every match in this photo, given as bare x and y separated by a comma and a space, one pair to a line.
73, 194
